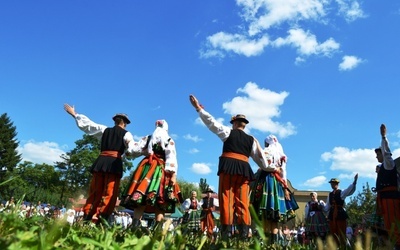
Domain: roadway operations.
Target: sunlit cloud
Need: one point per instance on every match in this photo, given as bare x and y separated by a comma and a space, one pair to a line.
262, 108
41, 152
201, 168
349, 63
315, 182
279, 24
192, 138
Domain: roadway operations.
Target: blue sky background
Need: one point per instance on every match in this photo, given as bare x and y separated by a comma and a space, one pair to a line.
321, 75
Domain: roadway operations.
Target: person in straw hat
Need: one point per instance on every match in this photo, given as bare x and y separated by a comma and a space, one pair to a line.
234, 170
107, 169
337, 215
208, 204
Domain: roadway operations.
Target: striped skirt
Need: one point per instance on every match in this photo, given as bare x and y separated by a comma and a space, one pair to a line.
150, 186
316, 223
268, 199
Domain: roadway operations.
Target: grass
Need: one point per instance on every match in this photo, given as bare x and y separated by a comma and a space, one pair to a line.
44, 233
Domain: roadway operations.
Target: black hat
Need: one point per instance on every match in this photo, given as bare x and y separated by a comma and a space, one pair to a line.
239, 118
334, 180
123, 116
208, 190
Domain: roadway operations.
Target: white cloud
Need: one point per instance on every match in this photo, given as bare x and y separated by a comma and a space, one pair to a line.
350, 10
41, 152
315, 182
307, 44
192, 138
236, 43
264, 14
350, 162
193, 151
349, 63
260, 106
265, 20
201, 168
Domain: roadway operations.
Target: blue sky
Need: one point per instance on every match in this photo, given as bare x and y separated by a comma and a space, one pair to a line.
321, 75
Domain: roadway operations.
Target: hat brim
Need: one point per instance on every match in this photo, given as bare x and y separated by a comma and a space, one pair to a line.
240, 119
127, 121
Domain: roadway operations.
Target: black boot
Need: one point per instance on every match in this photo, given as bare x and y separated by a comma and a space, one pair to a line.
226, 235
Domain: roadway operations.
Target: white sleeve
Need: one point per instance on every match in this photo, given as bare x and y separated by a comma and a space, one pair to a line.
348, 191
327, 205
306, 211
216, 202
260, 157
171, 162
186, 204
136, 149
214, 126
89, 127
388, 162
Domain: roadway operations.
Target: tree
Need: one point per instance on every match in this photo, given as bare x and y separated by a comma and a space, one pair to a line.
203, 185
364, 203
34, 182
187, 188
75, 168
9, 157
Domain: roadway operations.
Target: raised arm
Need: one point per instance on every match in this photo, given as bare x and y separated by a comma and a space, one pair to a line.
84, 123
212, 124
388, 162
350, 189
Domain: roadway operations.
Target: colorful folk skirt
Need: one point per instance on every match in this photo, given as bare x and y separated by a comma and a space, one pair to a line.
150, 186
268, 199
192, 220
316, 224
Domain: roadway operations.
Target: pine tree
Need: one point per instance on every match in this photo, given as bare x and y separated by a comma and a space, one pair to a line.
9, 157
8, 144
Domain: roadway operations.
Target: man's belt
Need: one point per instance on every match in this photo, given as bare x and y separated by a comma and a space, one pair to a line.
235, 156
110, 153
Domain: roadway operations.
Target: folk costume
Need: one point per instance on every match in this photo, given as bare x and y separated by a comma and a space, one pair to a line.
388, 195
207, 217
316, 224
270, 185
234, 172
151, 186
107, 169
191, 217
337, 215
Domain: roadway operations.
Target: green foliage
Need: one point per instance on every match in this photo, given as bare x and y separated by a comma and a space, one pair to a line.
203, 185
44, 233
360, 205
187, 188
9, 157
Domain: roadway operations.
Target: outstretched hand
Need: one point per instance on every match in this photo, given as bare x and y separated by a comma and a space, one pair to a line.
195, 102
383, 130
70, 109
355, 179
